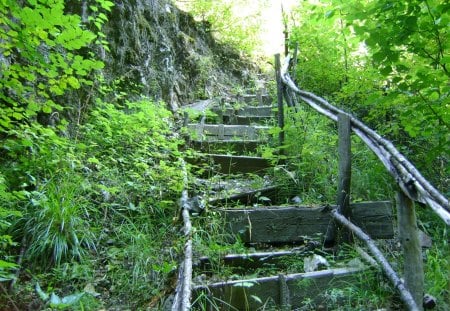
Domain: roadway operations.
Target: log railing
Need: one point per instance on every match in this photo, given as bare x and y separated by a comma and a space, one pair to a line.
413, 187
183, 291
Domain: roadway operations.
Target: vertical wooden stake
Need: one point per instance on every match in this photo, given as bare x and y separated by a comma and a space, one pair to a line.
259, 96
220, 119
345, 164
279, 99
412, 252
344, 178
285, 300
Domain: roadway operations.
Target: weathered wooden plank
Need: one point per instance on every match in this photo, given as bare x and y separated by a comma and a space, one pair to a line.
228, 131
215, 145
250, 98
292, 224
240, 164
238, 294
260, 111
230, 164
247, 197
375, 218
258, 259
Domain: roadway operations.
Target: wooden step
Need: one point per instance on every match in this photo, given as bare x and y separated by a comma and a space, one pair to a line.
245, 111
236, 146
246, 197
257, 259
232, 164
245, 115
237, 138
282, 291
262, 99
251, 111
221, 132
293, 224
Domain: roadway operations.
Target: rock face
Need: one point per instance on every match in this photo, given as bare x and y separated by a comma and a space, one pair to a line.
159, 51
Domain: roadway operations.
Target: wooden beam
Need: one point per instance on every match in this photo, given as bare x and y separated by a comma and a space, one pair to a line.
412, 252
293, 224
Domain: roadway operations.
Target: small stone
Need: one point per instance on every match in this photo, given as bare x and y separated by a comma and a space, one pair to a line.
297, 200
356, 263
314, 263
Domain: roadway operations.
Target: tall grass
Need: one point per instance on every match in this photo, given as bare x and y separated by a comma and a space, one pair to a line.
56, 222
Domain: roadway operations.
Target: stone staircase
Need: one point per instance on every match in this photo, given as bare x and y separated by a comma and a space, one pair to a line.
283, 265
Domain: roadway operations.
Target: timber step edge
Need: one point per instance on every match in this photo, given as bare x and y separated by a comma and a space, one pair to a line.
232, 164
286, 291
292, 224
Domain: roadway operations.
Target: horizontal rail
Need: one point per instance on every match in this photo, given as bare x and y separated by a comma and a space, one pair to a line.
409, 179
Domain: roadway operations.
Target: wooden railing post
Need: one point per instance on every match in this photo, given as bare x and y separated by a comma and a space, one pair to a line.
345, 164
344, 178
412, 252
279, 99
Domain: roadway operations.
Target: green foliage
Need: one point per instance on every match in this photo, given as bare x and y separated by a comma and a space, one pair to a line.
325, 45
41, 60
133, 149
437, 268
129, 155
314, 165
226, 21
106, 198
393, 76
7, 214
411, 52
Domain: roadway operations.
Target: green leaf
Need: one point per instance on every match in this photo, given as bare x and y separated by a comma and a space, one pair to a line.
386, 70
445, 60
379, 57
329, 14
73, 82
17, 116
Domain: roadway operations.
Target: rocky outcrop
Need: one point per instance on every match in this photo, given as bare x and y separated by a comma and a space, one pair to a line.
161, 52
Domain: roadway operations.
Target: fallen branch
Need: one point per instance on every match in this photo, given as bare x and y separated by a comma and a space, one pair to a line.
405, 295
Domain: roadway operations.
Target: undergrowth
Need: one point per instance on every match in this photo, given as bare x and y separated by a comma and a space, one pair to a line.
95, 209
